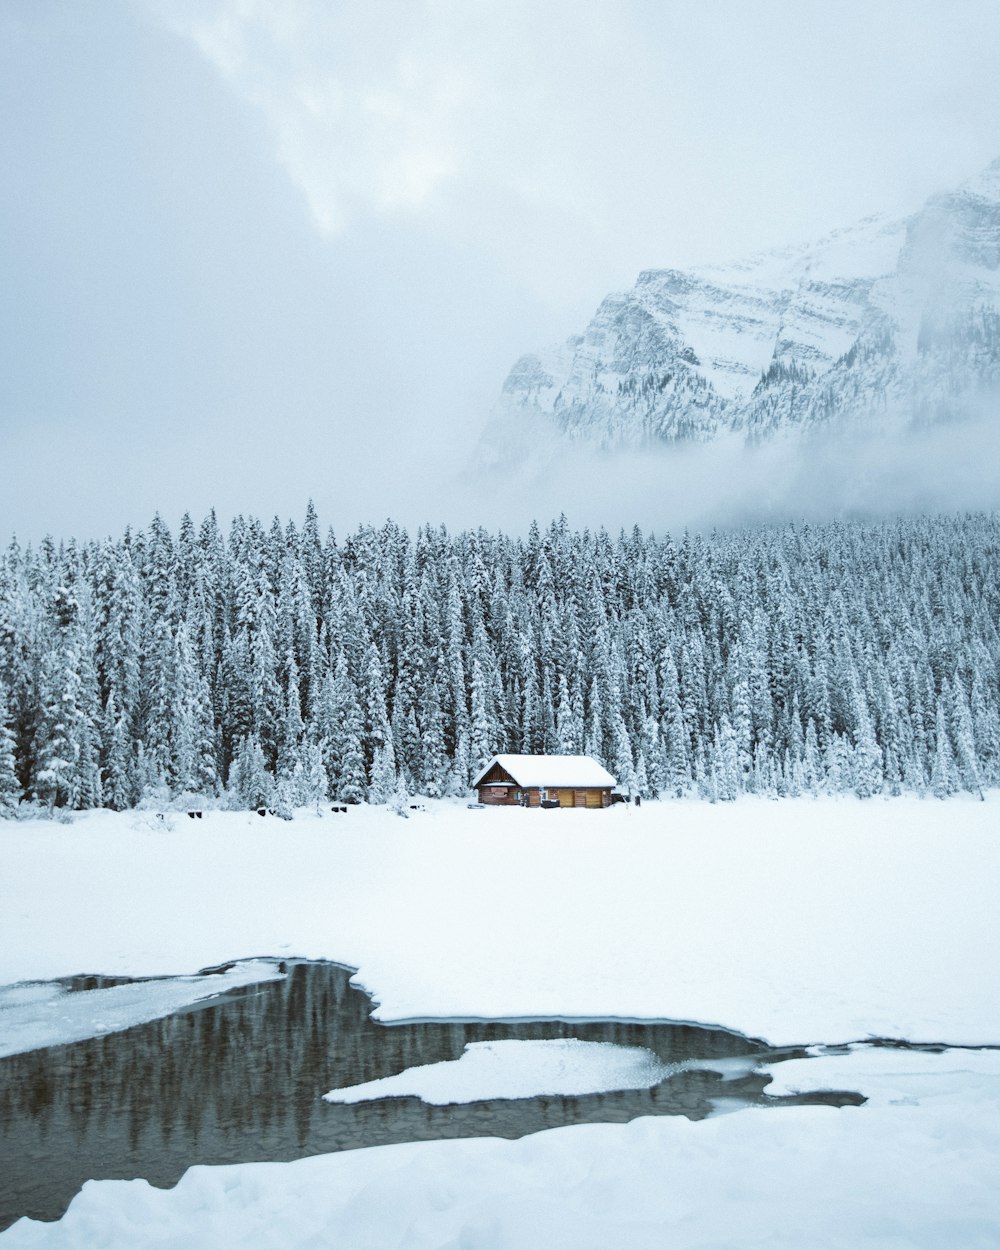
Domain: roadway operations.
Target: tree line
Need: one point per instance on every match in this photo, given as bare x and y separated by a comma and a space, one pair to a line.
280, 665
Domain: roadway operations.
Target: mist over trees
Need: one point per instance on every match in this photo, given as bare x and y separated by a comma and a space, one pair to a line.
280, 666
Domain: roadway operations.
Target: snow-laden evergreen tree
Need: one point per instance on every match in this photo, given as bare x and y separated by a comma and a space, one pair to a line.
347, 750
265, 690
725, 764
569, 733
121, 788
964, 738
311, 784
400, 801
10, 787
250, 783
192, 764
677, 768
867, 774
483, 728
384, 780
378, 727
944, 777
65, 753
292, 725
433, 770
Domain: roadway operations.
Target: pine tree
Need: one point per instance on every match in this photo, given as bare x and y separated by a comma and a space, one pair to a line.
346, 747
312, 785
985, 730
725, 762
812, 770
964, 738
943, 778
482, 730
378, 728
674, 731
87, 791
653, 759
10, 787
160, 686
568, 730
458, 784
57, 745
121, 788
433, 773
384, 780
292, 726
266, 704
866, 765
250, 784
400, 801
623, 764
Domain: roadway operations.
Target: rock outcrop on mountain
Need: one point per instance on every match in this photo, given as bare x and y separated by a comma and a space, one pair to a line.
884, 323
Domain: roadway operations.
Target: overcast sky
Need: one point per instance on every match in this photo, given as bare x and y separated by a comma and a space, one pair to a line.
255, 251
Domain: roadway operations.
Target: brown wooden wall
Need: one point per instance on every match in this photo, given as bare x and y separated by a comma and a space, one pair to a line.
496, 773
506, 797
588, 798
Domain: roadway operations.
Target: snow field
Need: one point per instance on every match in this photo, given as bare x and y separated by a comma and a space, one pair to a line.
797, 921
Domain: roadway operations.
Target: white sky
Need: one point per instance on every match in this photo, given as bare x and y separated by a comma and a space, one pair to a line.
255, 251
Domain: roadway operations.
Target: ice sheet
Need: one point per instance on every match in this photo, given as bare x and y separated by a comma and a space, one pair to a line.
48, 1014
519, 1069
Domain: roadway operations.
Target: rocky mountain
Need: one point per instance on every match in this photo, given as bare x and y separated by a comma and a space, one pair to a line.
887, 322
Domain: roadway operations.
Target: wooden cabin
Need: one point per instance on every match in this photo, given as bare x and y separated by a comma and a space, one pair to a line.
534, 780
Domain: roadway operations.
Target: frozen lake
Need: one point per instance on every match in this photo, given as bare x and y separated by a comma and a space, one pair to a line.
240, 1077
820, 922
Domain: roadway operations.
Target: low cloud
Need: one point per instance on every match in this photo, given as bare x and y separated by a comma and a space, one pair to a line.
839, 473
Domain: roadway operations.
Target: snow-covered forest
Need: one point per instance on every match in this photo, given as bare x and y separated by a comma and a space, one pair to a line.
280, 666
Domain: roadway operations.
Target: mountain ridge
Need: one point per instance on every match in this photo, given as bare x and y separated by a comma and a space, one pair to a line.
886, 321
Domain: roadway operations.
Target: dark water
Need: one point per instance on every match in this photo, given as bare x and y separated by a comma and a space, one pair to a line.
241, 1078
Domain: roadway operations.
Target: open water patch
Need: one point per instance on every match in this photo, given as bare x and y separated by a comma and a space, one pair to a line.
240, 1077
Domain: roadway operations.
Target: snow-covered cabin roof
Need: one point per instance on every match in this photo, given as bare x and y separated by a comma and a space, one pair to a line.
572, 771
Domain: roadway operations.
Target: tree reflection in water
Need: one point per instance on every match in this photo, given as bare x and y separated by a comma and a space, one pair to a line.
240, 1078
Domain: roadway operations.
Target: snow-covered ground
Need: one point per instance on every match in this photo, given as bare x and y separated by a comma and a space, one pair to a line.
795, 921
798, 921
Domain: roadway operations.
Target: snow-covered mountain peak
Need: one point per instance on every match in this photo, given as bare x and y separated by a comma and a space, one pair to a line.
883, 315
985, 185
868, 249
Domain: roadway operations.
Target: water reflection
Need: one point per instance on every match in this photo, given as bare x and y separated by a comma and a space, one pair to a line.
240, 1078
